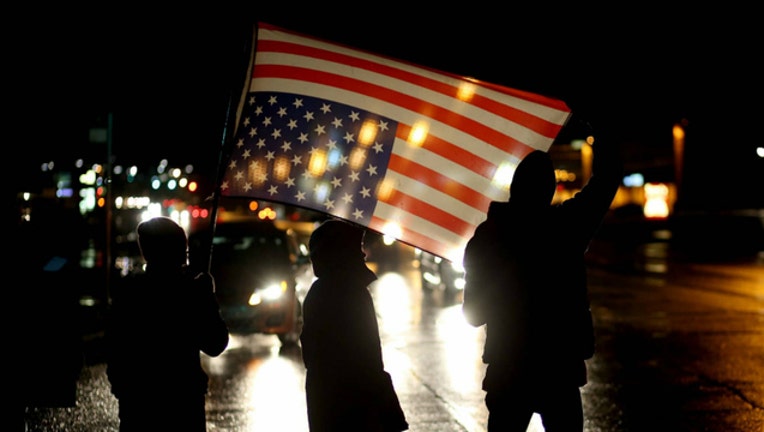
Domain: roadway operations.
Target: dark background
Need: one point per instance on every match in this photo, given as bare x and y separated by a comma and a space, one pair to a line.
166, 76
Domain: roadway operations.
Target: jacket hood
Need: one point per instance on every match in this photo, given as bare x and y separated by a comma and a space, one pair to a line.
335, 245
534, 181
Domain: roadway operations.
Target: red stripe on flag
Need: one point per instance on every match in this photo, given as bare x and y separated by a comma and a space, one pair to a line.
454, 153
466, 124
412, 238
439, 182
417, 207
513, 121
509, 112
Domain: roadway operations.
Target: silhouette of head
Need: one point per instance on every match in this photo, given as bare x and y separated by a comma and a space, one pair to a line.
534, 182
163, 242
335, 243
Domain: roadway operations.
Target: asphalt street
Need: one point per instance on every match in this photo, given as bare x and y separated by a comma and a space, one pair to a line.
679, 348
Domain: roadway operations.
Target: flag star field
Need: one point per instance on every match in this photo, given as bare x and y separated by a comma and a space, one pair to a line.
404, 150
311, 153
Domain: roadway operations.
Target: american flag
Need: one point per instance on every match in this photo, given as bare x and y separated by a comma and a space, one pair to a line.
404, 150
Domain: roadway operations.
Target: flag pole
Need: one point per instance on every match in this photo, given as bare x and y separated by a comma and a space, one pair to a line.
239, 87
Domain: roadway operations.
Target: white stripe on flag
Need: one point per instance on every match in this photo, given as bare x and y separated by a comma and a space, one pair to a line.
441, 187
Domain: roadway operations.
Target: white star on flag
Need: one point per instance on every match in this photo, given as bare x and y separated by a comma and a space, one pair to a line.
401, 149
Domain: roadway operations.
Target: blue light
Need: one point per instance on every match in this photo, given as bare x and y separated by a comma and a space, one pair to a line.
634, 180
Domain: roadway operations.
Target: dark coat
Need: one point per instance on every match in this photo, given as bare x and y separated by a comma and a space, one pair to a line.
346, 384
526, 277
159, 323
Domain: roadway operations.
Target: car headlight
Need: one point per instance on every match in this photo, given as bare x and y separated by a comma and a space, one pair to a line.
459, 283
269, 293
431, 278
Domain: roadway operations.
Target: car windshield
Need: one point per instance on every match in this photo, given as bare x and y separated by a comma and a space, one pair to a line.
247, 256
247, 248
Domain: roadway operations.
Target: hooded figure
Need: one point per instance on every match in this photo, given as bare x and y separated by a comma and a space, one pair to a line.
347, 388
526, 281
159, 323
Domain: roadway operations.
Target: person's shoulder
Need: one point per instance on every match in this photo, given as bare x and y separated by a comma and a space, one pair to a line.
317, 287
484, 229
200, 282
314, 297
329, 289
496, 209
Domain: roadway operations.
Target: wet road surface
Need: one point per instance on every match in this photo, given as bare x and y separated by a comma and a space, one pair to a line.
680, 348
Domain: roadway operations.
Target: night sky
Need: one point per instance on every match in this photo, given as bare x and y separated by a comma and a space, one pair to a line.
166, 77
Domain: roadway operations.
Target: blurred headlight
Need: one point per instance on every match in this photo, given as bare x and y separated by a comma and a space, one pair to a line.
431, 278
273, 292
459, 283
255, 299
270, 293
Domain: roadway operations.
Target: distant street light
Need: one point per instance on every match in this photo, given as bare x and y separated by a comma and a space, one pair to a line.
678, 133
586, 159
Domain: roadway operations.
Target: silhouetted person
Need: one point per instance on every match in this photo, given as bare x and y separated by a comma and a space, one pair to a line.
346, 386
527, 282
159, 323
45, 260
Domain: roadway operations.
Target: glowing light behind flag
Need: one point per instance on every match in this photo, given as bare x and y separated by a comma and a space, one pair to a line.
399, 148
